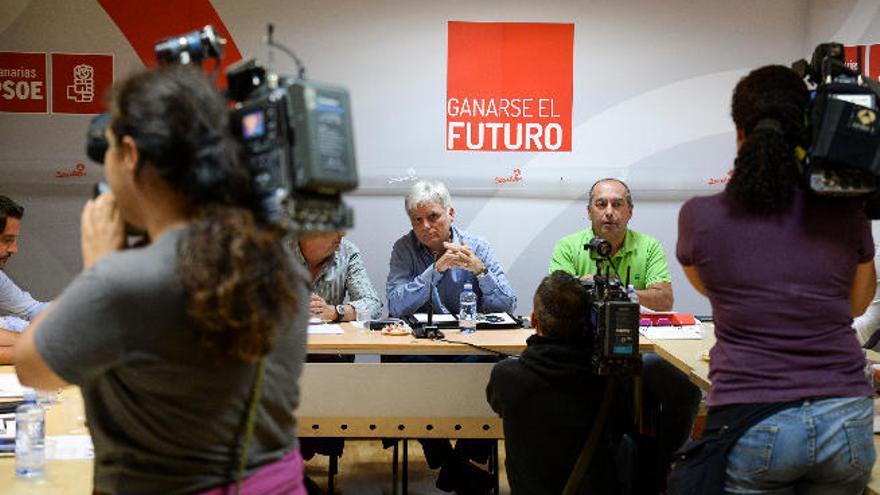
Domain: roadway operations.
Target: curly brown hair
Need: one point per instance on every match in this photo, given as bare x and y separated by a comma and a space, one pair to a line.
238, 277
238, 282
769, 106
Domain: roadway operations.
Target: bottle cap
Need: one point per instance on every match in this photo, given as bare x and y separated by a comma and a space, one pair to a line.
29, 396
468, 287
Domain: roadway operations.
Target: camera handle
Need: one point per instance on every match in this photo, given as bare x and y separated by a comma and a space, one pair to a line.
270, 42
586, 455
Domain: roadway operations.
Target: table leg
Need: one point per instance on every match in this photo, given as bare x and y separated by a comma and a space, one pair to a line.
405, 467
394, 468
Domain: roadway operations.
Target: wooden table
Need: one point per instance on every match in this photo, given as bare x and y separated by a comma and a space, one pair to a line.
359, 341
360, 400
62, 477
370, 400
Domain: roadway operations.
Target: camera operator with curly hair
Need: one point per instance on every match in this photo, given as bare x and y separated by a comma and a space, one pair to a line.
170, 341
785, 272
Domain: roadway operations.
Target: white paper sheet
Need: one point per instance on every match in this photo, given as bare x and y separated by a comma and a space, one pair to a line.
69, 447
7, 426
9, 386
441, 318
326, 329
685, 332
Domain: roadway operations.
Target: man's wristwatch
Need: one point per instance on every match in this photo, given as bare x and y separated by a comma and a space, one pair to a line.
340, 312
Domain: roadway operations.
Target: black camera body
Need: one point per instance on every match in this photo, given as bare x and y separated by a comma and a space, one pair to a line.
843, 158
298, 143
296, 135
613, 322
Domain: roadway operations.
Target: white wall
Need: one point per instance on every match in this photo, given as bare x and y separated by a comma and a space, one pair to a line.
652, 87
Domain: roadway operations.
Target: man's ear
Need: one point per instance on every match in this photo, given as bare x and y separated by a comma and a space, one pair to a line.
452, 213
130, 155
534, 320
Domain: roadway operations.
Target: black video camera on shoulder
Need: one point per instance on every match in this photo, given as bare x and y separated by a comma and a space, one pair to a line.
297, 135
843, 158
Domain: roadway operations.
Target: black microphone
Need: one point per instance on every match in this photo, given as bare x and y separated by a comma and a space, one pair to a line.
431, 294
429, 330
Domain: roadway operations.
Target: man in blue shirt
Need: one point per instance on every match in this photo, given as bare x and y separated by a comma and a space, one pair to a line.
16, 306
435, 251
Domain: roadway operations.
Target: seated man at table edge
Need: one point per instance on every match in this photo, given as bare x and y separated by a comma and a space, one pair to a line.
337, 271
609, 208
16, 306
436, 251
669, 394
548, 398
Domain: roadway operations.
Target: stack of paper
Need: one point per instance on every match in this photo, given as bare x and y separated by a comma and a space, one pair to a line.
9, 386
673, 332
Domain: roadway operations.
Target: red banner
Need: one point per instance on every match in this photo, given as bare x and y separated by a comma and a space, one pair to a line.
509, 86
145, 23
79, 82
865, 56
23, 85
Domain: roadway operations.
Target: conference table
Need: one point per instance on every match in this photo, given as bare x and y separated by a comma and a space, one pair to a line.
380, 400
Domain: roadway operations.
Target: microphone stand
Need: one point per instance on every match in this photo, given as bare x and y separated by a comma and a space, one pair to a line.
431, 330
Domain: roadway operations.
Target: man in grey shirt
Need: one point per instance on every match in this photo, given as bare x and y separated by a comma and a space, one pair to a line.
337, 270
17, 307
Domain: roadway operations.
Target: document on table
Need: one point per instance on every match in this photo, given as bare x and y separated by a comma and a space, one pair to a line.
684, 332
438, 318
69, 447
7, 433
325, 329
9, 386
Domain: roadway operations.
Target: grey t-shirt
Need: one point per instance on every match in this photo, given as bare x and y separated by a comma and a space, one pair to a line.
164, 417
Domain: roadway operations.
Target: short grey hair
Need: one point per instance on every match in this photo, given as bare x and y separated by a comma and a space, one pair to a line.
426, 191
629, 198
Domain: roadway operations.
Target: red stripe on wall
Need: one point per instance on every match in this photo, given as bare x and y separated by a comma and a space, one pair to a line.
145, 23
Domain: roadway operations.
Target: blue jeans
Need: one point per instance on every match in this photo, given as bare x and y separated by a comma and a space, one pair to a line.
822, 447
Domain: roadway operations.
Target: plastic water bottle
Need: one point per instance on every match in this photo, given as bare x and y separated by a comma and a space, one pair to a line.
30, 437
467, 313
631, 291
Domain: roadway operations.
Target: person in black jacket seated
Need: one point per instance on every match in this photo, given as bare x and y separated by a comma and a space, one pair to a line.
548, 398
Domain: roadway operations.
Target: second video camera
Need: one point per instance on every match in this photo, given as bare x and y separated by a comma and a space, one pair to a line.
613, 322
843, 158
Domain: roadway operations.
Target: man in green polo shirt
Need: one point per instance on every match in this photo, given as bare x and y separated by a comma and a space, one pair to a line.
667, 393
609, 209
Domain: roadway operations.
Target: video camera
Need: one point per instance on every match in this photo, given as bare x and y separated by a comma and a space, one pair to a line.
843, 158
297, 135
613, 322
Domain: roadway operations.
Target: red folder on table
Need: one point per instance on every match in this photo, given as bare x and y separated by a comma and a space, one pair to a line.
667, 319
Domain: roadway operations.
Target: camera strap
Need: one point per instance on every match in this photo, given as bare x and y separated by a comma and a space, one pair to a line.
250, 419
586, 455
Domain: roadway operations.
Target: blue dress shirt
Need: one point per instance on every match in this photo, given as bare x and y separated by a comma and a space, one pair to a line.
412, 269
